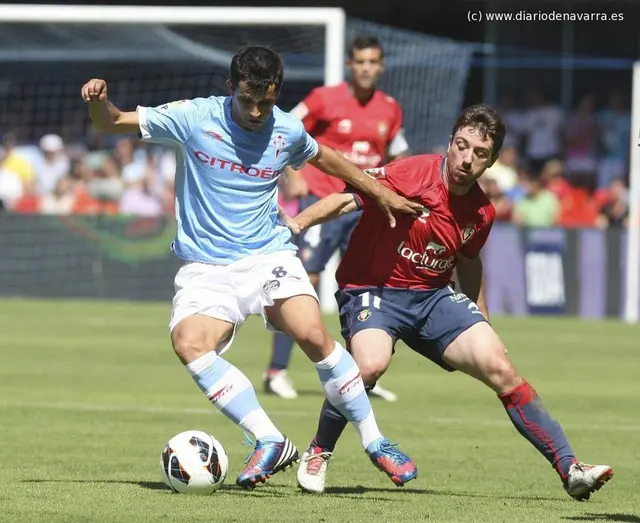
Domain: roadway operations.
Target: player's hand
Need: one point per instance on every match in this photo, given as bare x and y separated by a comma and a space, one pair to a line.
291, 224
94, 90
389, 202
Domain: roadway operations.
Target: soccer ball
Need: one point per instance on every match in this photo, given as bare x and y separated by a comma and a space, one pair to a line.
194, 462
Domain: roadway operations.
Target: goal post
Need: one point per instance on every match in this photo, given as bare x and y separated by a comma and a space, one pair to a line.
332, 18
632, 283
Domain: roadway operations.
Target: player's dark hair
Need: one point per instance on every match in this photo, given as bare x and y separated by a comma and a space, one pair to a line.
487, 121
365, 42
259, 66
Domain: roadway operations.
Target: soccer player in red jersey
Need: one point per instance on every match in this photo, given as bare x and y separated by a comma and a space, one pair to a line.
365, 125
394, 284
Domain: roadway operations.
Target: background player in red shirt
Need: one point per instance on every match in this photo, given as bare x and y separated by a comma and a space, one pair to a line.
365, 125
394, 283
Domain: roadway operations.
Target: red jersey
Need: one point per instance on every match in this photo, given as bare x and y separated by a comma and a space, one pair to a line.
420, 252
362, 133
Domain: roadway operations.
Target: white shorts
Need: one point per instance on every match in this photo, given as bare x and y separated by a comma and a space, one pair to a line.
238, 290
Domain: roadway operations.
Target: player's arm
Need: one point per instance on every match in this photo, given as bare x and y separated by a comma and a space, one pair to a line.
469, 272
326, 209
469, 264
106, 116
334, 164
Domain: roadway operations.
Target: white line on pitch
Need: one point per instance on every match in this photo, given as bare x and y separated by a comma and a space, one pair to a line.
147, 409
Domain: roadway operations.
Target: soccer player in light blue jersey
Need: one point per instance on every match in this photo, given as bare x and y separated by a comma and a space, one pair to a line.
238, 256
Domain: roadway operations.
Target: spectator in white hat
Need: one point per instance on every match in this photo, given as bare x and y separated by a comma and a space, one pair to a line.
54, 163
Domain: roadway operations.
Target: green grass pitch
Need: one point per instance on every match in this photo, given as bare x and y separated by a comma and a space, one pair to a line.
90, 392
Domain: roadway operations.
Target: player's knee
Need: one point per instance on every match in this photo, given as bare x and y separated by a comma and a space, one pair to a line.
372, 350
314, 338
500, 372
371, 371
188, 344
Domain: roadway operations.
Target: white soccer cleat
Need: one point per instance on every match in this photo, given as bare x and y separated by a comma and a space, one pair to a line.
312, 471
385, 394
585, 479
280, 384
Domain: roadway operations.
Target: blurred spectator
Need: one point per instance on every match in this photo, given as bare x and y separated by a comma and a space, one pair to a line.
552, 177
538, 207
542, 127
615, 212
105, 186
62, 200
53, 165
29, 202
578, 207
581, 138
132, 168
141, 196
501, 203
504, 171
13, 161
11, 189
514, 119
614, 129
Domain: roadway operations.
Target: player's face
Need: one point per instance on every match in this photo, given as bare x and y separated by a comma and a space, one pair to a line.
468, 157
365, 67
251, 109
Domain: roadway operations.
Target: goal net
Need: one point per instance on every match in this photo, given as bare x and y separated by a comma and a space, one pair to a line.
150, 56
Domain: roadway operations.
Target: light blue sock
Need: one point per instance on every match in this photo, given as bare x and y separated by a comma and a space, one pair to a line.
345, 390
232, 393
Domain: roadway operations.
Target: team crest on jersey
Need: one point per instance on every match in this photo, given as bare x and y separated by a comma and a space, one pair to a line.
364, 315
383, 129
344, 126
467, 233
278, 143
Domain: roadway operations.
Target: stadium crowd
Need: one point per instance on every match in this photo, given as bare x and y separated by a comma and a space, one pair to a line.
569, 170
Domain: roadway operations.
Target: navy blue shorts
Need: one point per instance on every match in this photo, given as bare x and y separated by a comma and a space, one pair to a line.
318, 243
427, 321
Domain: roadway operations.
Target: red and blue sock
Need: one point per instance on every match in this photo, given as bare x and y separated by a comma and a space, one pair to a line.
531, 419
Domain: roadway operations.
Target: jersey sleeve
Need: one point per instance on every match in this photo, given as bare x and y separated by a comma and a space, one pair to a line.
310, 110
397, 142
171, 122
304, 149
473, 247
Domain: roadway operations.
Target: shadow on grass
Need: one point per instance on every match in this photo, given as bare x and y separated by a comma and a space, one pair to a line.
356, 492
264, 491
338, 491
625, 518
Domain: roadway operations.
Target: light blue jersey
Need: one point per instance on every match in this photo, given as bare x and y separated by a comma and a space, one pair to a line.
226, 183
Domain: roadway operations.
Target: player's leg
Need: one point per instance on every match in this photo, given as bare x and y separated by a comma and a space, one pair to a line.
204, 317
348, 223
316, 246
371, 326
371, 349
465, 341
